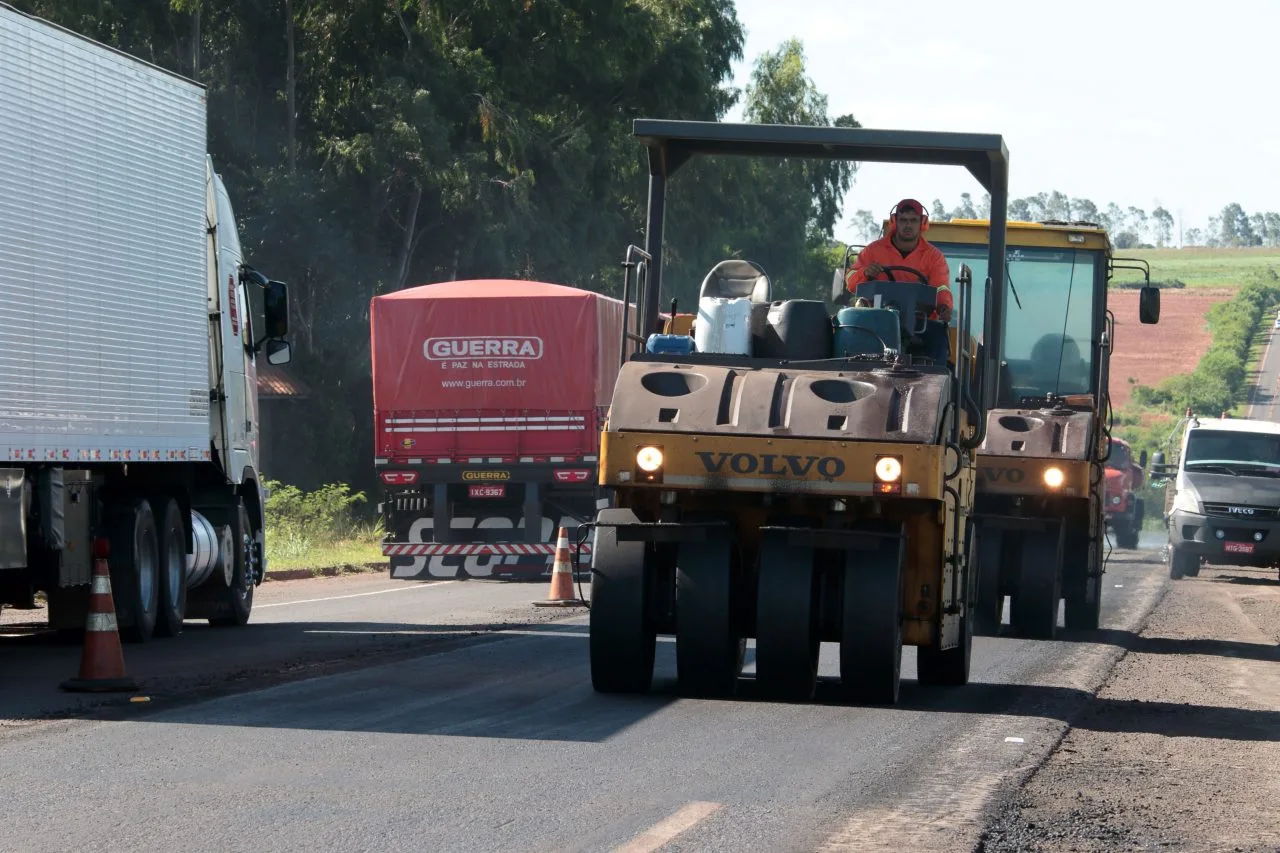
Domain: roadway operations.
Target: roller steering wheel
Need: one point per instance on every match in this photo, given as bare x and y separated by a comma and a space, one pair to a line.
924, 279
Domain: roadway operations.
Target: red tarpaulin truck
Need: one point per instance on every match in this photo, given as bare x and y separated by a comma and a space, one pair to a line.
1125, 510
488, 400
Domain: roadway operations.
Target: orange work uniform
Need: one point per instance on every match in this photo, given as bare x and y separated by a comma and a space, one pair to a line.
924, 257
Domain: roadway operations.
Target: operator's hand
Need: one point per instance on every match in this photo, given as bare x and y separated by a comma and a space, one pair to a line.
944, 313
872, 270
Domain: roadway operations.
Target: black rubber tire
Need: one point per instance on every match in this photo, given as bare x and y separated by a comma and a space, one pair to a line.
134, 564
1080, 613
1083, 555
787, 641
233, 604
1034, 609
1126, 532
871, 623
709, 648
172, 606
1183, 564
950, 667
988, 608
622, 639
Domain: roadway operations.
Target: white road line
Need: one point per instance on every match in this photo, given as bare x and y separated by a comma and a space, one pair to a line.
682, 821
353, 595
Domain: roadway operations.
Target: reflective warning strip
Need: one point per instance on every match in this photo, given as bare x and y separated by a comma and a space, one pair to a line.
101, 622
505, 549
101, 585
80, 454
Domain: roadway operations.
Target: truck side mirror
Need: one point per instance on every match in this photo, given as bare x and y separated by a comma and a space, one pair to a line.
279, 352
1149, 305
276, 309
1142, 459
1157, 458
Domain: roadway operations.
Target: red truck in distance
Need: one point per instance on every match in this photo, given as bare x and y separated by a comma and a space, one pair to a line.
1125, 510
488, 399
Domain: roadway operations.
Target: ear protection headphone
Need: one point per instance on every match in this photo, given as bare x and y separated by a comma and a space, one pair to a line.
924, 215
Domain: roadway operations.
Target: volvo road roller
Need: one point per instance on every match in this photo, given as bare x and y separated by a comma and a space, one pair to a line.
1040, 513
788, 474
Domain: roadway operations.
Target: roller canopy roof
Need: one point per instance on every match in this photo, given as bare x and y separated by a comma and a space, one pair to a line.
674, 142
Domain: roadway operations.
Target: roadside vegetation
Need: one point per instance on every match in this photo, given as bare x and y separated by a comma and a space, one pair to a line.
319, 530
1223, 378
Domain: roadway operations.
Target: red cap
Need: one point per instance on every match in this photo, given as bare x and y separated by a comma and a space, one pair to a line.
101, 548
909, 204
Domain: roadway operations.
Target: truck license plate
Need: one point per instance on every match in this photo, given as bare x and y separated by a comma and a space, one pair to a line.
487, 491
1238, 547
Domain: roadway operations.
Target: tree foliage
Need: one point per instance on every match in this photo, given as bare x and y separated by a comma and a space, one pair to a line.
369, 146
1130, 228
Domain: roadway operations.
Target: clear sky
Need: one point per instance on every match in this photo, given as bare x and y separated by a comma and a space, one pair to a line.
1139, 102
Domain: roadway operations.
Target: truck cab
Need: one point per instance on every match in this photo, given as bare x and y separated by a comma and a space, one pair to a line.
1125, 509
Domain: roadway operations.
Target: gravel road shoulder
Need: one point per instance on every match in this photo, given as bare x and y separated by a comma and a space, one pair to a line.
1180, 749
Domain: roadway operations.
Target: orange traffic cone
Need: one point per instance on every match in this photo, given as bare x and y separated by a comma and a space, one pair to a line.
561, 592
102, 663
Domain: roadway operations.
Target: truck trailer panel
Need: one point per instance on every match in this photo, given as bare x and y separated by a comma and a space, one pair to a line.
492, 369
489, 398
103, 300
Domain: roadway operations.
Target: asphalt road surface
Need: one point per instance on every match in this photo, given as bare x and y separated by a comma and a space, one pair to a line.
367, 714
1266, 390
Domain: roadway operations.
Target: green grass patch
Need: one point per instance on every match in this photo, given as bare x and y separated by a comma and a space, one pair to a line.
1198, 267
318, 530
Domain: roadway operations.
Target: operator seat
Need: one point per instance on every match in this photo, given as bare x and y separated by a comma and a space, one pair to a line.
1056, 365
736, 278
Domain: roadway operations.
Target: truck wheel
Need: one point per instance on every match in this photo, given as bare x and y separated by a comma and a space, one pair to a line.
1139, 516
871, 630
709, 649
172, 606
233, 604
1126, 536
134, 562
1034, 609
622, 637
1183, 564
787, 641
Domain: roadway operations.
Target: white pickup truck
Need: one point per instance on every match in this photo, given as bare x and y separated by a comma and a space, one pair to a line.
1224, 495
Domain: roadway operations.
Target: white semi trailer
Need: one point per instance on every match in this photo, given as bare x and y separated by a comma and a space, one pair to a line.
130, 328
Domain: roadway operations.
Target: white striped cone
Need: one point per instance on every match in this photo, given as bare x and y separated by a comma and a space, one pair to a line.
102, 661
561, 592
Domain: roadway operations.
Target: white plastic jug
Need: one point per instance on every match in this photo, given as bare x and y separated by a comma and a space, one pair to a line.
723, 325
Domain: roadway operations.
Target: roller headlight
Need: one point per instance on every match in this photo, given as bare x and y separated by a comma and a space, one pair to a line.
1186, 501
1054, 478
649, 459
888, 469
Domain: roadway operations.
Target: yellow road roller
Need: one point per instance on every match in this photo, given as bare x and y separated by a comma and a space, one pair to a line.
791, 472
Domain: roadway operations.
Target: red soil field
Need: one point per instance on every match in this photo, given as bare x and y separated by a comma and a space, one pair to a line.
1149, 354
